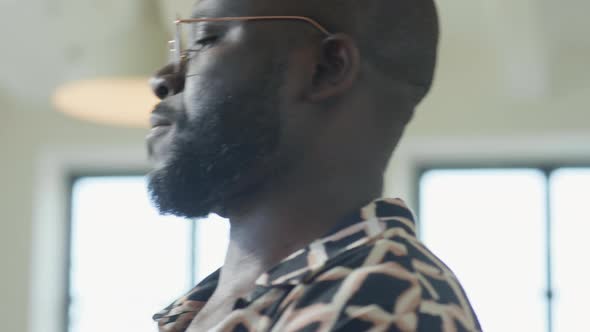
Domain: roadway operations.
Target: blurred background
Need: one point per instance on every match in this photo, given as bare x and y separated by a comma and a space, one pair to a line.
496, 165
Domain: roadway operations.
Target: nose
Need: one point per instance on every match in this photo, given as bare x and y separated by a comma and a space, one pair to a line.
168, 81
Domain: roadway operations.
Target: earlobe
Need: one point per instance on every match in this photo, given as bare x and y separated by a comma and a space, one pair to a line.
337, 69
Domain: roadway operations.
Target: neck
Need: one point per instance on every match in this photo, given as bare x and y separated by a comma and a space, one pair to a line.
329, 181
286, 217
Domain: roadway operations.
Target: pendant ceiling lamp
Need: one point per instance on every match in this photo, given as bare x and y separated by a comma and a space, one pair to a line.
110, 85
120, 101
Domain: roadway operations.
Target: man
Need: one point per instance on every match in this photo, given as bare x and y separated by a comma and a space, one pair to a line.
285, 126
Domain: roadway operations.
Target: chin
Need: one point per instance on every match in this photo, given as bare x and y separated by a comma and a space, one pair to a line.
171, 195
186, 194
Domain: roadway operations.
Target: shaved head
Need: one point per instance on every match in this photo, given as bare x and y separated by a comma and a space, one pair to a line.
261, 105
400, 38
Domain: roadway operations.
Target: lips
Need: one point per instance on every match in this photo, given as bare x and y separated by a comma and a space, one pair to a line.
159, 124
159, 130
157, 140
158, 120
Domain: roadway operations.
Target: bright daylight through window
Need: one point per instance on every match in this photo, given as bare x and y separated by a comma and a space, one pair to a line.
517, 234
127, 262
503, 231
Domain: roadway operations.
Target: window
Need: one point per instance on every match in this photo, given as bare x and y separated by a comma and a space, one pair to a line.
515, 237
128, 262
570, 194
516, 240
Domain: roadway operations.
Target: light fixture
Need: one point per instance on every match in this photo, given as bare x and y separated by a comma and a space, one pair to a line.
108, 83
119, 101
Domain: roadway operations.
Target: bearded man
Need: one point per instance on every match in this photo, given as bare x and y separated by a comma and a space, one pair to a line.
281, 116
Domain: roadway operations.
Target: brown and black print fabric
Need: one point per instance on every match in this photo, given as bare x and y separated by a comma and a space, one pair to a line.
369, 274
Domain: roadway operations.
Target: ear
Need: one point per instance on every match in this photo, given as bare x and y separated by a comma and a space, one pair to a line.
337, 68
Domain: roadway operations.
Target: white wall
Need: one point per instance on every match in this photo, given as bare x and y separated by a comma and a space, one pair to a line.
26, 139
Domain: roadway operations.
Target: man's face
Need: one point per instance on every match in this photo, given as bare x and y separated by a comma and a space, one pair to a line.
219, 138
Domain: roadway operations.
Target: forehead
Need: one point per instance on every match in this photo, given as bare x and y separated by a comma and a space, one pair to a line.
220, 8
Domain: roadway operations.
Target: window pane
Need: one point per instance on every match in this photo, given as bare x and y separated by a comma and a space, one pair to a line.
489, 227
127, 262
570, 192
212, 240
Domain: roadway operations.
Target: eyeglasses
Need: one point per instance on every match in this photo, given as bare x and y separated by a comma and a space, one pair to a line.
177, 45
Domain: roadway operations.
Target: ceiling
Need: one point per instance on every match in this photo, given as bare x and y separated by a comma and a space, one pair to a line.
515, 49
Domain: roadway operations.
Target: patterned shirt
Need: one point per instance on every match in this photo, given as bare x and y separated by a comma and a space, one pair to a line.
370, 273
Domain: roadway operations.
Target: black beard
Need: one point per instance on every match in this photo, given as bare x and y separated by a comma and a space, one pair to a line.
228, 151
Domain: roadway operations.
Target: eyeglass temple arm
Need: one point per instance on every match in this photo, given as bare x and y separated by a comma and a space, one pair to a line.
256, 18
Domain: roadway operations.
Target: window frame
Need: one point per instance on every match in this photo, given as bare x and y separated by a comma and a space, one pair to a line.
56, 167
547, 169
126, 172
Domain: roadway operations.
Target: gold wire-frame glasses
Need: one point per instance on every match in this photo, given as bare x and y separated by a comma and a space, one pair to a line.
176, 46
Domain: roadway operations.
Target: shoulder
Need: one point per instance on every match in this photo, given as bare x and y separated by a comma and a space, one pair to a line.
392, 282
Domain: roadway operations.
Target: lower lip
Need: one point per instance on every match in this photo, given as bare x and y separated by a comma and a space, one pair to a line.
156, 133
156, 141
159, 130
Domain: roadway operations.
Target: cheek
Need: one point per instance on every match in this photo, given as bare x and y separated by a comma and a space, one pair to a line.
218, 76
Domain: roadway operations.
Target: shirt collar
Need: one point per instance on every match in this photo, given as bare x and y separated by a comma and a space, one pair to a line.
355, 230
